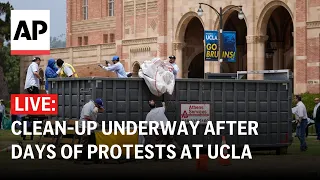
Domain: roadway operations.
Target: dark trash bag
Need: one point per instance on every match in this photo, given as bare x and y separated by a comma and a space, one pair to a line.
6, 123
129, 74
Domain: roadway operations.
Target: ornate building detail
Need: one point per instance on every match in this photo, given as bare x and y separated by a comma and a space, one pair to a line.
153, 24
139, 53
108, 46
269, 7
313, 82
93, 25
59, 50
313, 24
141, 7
140, 49
256, 39
271, 4
179, 45
139, 41
152, 5
128, 8
85, 48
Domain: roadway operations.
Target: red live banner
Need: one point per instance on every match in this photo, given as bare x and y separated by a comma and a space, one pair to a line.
34, 104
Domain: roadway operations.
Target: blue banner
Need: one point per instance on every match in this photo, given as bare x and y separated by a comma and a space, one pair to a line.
211, 52
229, 46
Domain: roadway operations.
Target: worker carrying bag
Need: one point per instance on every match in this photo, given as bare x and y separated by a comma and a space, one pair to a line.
158, 76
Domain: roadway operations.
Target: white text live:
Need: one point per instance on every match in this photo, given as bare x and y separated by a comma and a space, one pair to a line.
35, 103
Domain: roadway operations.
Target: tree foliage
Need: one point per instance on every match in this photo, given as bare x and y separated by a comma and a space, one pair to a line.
11, 70
5, 11
58, 42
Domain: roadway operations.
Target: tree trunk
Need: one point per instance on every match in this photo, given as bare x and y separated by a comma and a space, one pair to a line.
4, 94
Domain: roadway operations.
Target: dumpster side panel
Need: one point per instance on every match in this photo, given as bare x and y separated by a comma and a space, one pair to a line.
72, 95
267, 102
124, 100
264, 102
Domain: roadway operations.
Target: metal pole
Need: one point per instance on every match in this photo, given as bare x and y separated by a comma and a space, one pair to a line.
220, 37
220, 14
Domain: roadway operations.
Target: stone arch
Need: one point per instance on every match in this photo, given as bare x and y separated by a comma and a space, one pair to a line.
135, 69
193, 41
226, 16
183, 24
266, 13
275, 22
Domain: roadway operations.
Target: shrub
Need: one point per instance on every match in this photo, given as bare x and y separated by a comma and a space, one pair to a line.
7, 105
308, 101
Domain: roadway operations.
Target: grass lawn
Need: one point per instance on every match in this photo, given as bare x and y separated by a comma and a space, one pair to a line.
313, 147
6, 135
7, 138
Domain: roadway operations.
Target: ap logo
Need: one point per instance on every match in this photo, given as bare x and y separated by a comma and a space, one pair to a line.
30, 32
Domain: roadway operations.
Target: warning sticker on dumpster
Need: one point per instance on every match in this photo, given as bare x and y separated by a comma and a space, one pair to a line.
195, 112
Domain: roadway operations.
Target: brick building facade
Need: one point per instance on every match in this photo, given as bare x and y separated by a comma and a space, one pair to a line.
275, 34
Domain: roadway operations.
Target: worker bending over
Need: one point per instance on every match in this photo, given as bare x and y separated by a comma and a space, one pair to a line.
158, 114
116, 67
89, 112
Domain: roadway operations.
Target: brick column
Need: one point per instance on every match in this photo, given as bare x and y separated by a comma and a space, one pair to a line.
256, 55
69, 21
178, 46
300, 39
162, 30
119, 26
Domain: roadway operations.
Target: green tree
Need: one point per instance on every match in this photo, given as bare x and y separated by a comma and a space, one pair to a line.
5, 10
11, 70
58, 42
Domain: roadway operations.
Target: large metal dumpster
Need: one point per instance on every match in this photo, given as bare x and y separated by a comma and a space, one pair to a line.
268, 102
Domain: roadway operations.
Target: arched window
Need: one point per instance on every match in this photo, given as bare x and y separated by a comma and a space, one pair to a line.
135, 69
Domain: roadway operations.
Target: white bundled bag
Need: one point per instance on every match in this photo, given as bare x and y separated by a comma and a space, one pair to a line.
158, 76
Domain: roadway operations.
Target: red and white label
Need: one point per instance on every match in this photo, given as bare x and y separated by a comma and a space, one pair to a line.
34, 104
195, 112
30, 32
